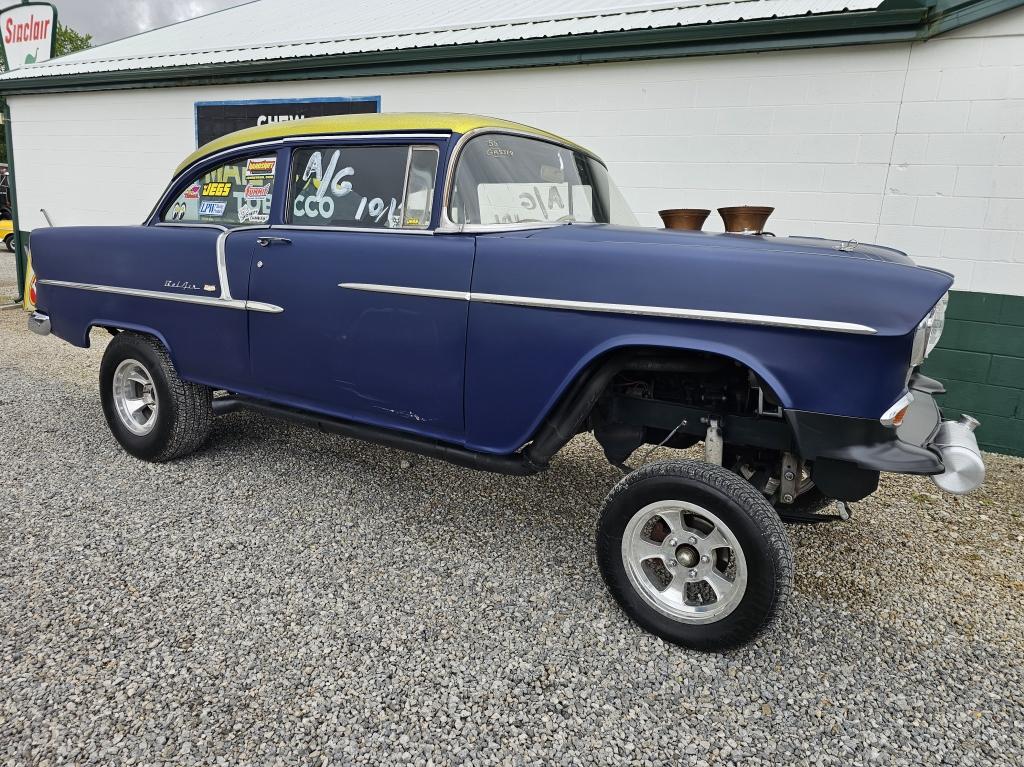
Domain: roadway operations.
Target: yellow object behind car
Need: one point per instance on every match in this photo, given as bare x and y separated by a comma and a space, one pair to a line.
29, 300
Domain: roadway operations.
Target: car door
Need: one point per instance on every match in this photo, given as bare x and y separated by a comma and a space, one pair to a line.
202, 266
373, 326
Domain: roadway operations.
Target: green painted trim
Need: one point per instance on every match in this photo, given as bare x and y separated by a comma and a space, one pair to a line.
833, 29
980, 359
948, 17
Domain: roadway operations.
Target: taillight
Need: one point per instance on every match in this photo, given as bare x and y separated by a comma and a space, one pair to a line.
32, 291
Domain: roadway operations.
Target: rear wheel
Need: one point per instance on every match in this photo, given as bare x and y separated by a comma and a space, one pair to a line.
694, 554
151, 411
9, 242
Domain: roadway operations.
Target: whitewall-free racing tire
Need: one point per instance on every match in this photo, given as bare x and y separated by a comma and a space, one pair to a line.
152, 413
694, 554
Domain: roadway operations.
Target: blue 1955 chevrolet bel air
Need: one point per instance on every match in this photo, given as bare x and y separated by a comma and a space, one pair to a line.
477, 290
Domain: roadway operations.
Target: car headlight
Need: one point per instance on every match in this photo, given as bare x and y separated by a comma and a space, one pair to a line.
929, 331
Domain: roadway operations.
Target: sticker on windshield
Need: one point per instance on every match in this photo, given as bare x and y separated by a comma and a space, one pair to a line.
494, 149
208, 208
260, 166
192, 193
217, 189
249, 215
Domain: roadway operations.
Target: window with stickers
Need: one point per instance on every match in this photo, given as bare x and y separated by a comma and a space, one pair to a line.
237, 193
363, 187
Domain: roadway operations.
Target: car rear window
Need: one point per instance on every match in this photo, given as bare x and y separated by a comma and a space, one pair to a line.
237, 193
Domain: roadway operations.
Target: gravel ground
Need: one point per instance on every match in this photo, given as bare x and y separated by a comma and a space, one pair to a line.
286, 597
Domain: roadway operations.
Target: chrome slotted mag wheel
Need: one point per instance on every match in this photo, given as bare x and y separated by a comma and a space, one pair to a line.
684, 561
135, 397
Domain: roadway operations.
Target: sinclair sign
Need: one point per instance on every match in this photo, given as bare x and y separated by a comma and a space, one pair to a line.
28, 32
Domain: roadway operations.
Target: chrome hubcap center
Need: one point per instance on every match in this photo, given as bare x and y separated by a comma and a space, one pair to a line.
135, 397
687, 555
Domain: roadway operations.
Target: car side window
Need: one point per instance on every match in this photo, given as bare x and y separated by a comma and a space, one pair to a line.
363, 187
237, 193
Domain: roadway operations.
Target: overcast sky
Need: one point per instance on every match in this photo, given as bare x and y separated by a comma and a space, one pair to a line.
108, 20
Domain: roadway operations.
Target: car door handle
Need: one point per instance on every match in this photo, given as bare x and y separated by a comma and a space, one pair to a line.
264, 242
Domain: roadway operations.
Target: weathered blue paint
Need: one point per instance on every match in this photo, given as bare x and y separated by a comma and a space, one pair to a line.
479, 374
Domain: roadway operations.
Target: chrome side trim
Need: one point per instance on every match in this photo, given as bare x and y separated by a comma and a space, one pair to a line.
741, 318
222, 266
39, 323
192, 225
229, 303
222, 257
455, 295
364, 229
705, 315
317, 138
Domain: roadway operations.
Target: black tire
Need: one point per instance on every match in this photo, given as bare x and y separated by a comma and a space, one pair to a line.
748, 516
184, 415
9, 242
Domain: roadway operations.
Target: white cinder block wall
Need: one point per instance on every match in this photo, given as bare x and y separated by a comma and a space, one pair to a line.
918, 146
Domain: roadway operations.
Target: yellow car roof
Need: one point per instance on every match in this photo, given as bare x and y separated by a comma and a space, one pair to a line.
365, 123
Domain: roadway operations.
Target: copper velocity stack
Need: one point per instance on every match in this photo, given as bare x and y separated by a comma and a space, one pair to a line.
684, 218
745, 219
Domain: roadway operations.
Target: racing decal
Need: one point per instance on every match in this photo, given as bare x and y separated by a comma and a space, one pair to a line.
209, 208
192, 193
252, 215
257, 192
216, 189
178, 211
260, 166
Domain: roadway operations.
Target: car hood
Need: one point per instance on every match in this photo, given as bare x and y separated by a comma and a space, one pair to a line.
766, 244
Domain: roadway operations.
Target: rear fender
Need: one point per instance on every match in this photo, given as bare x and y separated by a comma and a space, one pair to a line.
132, 326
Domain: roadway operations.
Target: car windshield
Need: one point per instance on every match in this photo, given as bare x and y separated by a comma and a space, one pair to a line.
504, 179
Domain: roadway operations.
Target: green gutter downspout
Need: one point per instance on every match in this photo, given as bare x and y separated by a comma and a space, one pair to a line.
19, 253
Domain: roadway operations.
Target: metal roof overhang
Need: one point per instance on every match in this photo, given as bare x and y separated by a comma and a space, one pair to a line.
892, 21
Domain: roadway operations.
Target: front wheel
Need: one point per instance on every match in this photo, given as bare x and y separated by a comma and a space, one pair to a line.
694, 554
151, 411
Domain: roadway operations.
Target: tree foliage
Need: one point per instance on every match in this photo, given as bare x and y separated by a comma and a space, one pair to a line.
69, 41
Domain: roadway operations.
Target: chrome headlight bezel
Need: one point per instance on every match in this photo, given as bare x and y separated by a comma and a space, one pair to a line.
929, 331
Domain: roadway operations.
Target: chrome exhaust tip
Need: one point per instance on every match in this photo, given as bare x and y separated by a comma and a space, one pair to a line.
956, 443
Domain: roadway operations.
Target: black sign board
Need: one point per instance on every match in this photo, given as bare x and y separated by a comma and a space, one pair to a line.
217, 118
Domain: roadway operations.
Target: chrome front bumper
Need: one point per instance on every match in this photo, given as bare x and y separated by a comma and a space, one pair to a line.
39, 323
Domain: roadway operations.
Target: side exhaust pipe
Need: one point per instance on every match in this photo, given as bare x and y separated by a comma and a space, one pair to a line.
956, 443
